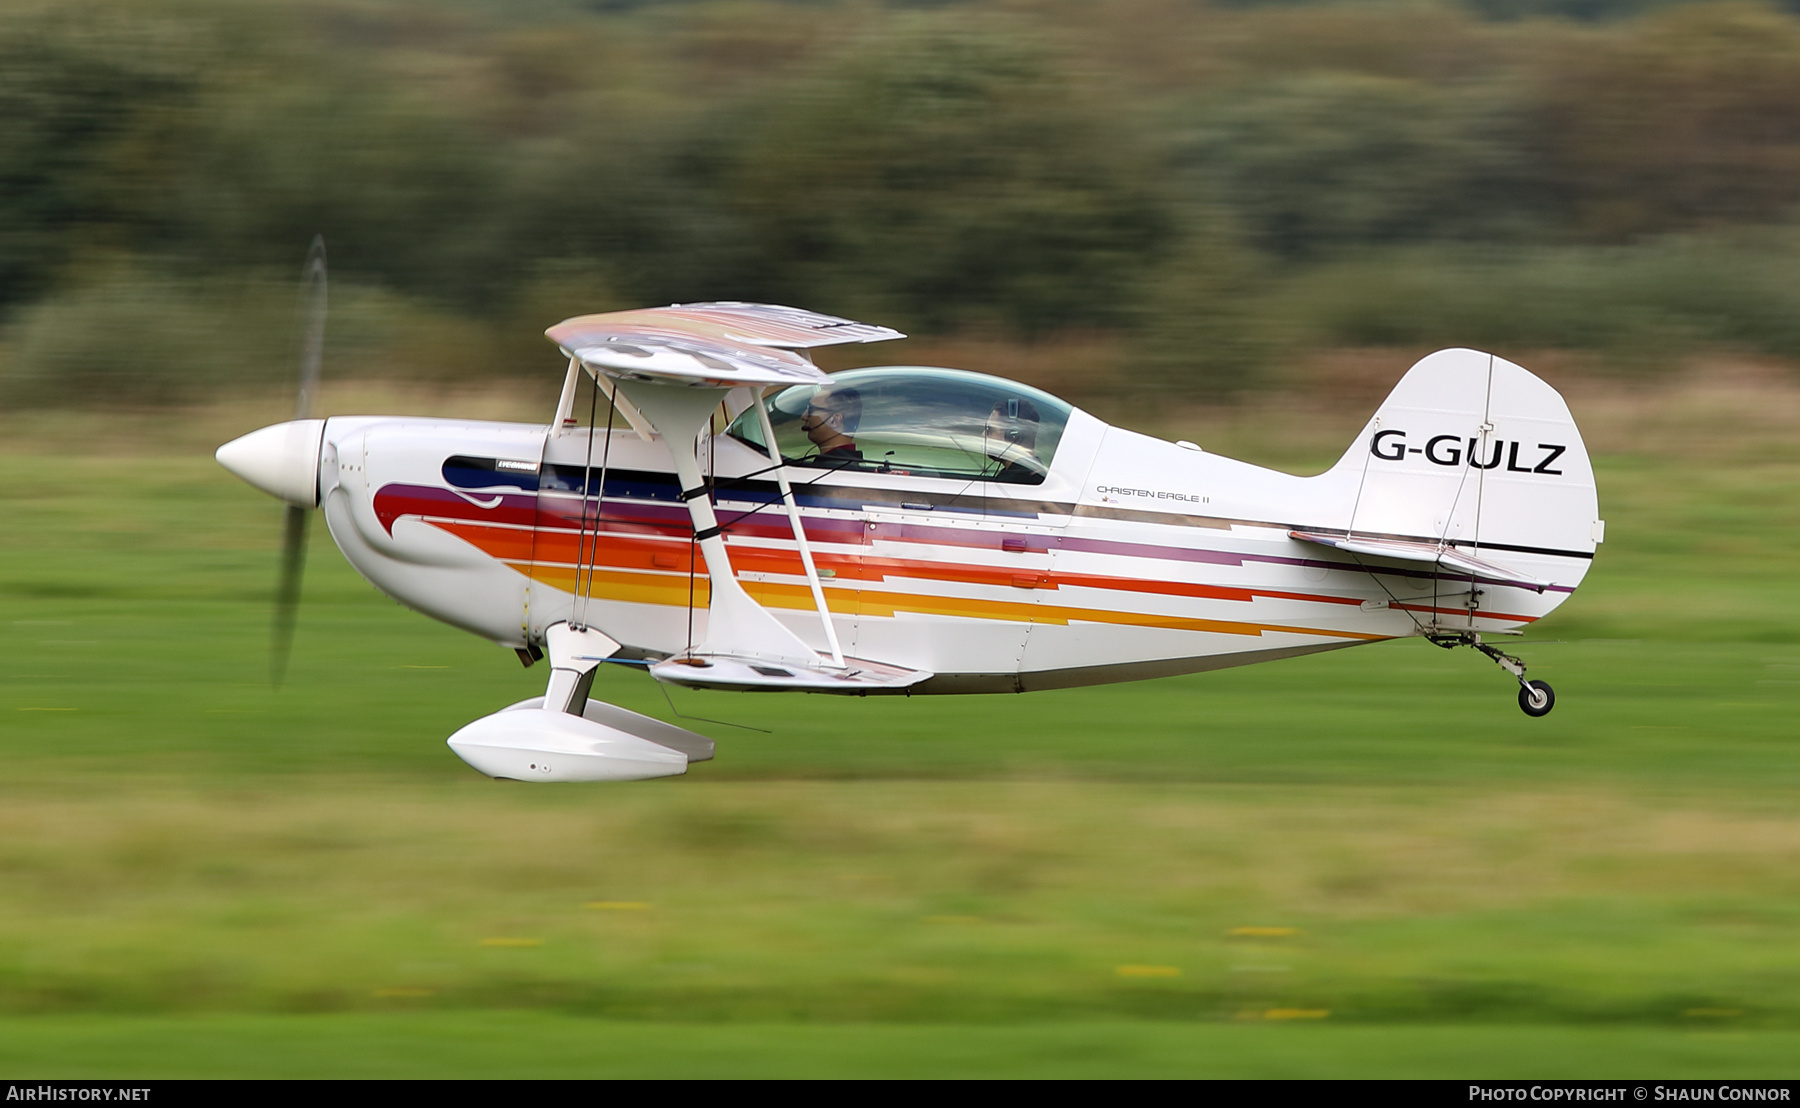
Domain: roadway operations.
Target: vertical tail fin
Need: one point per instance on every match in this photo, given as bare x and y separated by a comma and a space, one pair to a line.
1473, 452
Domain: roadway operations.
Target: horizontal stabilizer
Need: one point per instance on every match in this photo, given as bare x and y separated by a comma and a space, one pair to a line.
1463, 565
723, 671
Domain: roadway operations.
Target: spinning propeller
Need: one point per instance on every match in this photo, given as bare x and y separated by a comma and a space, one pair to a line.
298, 519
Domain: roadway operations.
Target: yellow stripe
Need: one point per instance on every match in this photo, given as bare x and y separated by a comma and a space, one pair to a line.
672, 590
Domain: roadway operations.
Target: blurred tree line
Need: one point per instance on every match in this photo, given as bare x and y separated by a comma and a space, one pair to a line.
1211, 187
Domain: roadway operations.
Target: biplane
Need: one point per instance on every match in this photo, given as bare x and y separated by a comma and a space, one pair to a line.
731, 517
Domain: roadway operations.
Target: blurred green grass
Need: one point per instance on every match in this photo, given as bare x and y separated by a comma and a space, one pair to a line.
190, 859
527, 1045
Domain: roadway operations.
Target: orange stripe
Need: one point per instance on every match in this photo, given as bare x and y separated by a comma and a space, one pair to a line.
505, 543
621, 552
672, 590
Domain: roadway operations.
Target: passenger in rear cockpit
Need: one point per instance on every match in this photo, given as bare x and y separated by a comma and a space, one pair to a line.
831, 417
1010, 441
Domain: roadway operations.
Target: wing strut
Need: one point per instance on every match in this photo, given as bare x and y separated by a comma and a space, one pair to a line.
625, 407
667, 370
735, 623
793, 514
565, 404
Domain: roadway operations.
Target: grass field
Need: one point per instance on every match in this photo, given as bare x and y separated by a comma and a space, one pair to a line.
1356, 864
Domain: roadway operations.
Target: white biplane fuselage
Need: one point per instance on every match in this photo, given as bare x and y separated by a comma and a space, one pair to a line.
925, 559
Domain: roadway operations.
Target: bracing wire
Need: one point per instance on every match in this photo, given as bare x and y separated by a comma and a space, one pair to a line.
581, 542
599, 497
703, 719
711, 486
741, 516
693, 544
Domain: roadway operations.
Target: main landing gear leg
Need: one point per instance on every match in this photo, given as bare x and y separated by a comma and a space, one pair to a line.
1536, 698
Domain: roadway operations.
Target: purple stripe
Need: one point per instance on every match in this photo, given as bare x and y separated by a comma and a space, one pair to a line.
622, 513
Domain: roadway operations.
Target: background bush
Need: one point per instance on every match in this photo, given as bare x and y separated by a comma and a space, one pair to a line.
1211, 188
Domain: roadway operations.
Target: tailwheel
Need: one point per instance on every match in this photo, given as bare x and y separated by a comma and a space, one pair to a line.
1536, 698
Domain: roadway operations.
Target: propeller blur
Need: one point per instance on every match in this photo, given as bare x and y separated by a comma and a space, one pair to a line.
908, 529
297, 455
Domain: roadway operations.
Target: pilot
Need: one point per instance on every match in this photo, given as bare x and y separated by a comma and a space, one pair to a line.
1010, 440
831, 417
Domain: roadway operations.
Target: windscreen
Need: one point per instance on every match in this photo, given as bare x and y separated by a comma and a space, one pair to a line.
914, 420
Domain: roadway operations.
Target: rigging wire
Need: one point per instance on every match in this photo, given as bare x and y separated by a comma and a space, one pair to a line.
709, 485
693, 545
771, 503
703, 719
599, 496
581, 541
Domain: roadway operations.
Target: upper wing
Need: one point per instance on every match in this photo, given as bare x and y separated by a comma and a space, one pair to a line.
1462, 564
718, 344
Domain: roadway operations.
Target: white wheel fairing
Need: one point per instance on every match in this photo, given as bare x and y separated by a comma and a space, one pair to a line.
535, 744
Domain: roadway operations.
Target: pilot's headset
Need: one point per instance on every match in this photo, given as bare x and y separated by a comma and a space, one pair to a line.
1013, 430
1018, 426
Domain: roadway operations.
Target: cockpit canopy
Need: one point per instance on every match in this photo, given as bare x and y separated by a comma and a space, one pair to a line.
915, 420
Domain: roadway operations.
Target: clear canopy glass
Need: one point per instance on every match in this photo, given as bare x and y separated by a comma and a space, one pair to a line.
918, 421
